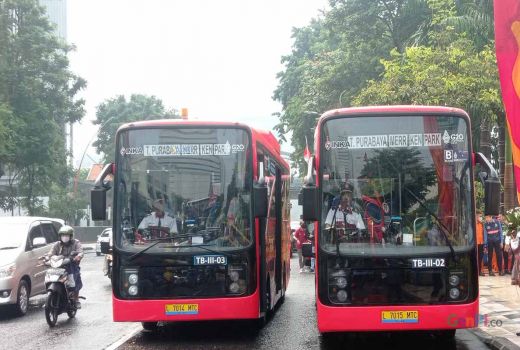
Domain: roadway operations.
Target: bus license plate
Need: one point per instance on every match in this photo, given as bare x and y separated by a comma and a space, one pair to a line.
428, 262
209, 260
181, 309
400, 316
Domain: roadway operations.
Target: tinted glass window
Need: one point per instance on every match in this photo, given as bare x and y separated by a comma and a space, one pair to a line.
185, 182
49, 233
36, 231
396, 184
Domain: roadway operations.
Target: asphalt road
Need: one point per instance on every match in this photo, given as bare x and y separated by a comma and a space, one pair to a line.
92, 328
292, 327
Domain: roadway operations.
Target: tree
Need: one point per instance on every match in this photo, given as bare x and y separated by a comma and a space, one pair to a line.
64, 204
335, 56
37, 91
112, 113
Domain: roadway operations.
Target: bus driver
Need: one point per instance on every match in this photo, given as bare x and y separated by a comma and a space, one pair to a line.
346, 218
158, 220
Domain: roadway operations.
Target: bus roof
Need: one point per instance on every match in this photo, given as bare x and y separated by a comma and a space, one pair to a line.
399, 109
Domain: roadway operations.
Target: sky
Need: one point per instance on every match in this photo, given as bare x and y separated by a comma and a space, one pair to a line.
219, 59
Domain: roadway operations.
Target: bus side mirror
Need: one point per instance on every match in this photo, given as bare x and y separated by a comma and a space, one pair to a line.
310, 203
98, 196
491, 182
492, 197
309, 194
260, 200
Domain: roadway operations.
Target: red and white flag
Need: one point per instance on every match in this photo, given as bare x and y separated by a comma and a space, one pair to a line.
306, 152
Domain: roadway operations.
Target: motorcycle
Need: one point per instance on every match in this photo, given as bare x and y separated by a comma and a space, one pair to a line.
60, 286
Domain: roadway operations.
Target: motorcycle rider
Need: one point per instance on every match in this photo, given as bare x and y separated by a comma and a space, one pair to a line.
66, 246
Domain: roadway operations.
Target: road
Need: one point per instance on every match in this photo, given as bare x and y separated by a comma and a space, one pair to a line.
91, 329
292, 327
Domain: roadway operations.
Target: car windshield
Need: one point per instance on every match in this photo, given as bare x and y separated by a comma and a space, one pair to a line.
12, 235
395, 185
189, 184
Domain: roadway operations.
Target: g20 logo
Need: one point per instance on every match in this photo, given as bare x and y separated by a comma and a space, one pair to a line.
237, 148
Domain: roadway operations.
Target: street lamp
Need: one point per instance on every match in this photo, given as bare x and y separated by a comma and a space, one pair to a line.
76, 177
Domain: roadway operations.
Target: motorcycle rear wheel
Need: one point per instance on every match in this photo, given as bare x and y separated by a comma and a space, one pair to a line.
51, 309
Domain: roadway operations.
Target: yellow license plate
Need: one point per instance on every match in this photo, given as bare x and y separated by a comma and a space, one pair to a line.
400, 316
181, 309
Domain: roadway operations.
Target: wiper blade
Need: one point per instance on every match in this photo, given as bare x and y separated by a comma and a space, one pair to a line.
157, 241
5, 248
444, 229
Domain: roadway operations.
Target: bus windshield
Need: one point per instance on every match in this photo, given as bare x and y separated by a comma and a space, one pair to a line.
395, 185
183, 189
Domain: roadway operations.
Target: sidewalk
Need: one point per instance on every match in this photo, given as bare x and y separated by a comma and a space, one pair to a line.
500, 309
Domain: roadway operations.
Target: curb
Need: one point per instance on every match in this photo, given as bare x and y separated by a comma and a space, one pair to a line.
495, 343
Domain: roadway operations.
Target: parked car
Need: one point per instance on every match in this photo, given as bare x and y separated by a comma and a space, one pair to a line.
22, 241
103, 237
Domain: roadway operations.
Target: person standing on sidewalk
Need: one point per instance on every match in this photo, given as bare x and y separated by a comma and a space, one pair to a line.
301, 237
515, 252
493, 241
480, 242
509, 259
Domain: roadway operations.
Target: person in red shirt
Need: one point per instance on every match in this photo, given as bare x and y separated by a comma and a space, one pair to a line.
301, 237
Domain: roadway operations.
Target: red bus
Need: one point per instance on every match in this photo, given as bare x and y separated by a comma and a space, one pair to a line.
391, 192
200, 222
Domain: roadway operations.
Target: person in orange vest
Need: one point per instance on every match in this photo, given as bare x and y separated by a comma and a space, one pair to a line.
480, 241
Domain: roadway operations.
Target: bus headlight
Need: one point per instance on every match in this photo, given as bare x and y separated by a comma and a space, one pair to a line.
236, 279
132, 278
341, 282
234, 275
129, 281
132, 290
341, 296
454, 280
454, 293
234, 287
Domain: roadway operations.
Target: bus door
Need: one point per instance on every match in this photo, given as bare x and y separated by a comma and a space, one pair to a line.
278, 228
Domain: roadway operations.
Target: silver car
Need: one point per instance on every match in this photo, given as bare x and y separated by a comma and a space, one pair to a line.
103, 237
22, 240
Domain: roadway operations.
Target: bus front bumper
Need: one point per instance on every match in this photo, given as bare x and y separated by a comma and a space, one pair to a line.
393, 318
173, 310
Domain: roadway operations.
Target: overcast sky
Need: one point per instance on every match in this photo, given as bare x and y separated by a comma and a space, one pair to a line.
219, 59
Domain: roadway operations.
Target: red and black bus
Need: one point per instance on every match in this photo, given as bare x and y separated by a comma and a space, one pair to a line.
391, 191
200, 222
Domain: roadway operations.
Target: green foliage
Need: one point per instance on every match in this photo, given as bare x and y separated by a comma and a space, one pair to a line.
513, 219
114, 112
37, 94
67, 206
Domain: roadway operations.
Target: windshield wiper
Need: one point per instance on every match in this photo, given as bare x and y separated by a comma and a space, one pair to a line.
177, 236
5, 248
157, 241
444, 229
